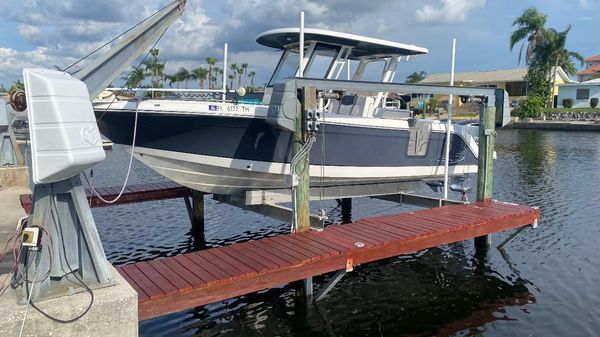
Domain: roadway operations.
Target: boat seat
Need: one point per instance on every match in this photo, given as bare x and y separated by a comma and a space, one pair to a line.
349, 105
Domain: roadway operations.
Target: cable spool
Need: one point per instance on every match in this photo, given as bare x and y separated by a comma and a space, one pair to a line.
18, 101
464, 99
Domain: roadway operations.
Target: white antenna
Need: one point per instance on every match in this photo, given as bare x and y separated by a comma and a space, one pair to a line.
449, 121
301, 46
224, 71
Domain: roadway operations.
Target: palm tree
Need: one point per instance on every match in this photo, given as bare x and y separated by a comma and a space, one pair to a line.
211, 61
243, 69
155, 69
172, 79
199, 74
530, 29
218, 76
251, 75
135, 78
416, 77
183, 75
231, 78
234, 69
551, 53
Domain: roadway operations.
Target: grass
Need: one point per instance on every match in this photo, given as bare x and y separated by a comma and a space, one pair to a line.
572, 110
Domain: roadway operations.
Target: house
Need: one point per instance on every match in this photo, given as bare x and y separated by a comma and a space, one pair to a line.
592, 69
581, 93
511, 80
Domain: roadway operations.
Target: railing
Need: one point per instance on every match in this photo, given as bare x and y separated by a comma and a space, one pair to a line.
213, 94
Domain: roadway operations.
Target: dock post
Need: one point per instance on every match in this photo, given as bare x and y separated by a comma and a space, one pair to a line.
485, 171
197, 216
346, 204
301, 194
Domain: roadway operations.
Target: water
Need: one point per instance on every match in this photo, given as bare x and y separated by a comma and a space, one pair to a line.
547, 284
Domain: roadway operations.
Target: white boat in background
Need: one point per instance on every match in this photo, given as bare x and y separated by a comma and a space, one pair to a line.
226, 147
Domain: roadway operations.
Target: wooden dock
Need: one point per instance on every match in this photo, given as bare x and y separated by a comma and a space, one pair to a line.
171, 284
132, 194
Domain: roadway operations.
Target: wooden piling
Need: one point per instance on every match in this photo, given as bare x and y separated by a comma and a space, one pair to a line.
302, 197
346, 204
197, 217
485, 172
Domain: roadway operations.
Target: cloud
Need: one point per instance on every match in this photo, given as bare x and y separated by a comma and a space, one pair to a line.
450, 11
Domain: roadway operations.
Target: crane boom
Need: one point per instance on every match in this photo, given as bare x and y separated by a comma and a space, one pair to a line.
104, 69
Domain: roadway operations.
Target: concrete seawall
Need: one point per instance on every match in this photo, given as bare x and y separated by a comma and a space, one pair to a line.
555, 125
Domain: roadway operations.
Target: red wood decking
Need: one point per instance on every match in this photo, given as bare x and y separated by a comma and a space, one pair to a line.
132, 194
172, 284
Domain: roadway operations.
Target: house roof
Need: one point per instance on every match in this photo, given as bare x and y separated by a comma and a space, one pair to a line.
491, 76
593, 58
590, 70
594, 82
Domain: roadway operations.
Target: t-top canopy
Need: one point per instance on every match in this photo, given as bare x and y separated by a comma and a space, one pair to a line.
361, 45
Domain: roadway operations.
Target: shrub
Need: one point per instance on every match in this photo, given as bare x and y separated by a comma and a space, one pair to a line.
594, 102
532, 107
567, 103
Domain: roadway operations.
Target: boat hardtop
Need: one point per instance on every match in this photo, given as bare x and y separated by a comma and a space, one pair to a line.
360, 46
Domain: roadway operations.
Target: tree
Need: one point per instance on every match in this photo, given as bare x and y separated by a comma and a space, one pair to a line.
243, 69
251, 75
199, 74
171, 79
551, 53
234, 69
155, 69
211, 61
183, 75
530, 30
135, 78
231, 78
416, 77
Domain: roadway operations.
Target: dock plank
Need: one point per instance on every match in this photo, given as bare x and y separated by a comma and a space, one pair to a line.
203, 277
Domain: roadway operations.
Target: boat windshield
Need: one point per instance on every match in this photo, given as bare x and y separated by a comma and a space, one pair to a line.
287, 67
319, 63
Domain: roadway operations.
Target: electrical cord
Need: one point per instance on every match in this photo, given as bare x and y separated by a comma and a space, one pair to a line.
71, 272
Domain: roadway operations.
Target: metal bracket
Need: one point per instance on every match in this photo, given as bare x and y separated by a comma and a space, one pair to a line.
332, 282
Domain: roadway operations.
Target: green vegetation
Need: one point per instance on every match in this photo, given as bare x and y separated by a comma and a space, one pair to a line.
572, 110
568, 103
531, 107
416, 77
154, 70
545, 52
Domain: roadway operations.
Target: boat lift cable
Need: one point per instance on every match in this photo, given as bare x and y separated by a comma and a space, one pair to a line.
131, 74
116, 38
135, 127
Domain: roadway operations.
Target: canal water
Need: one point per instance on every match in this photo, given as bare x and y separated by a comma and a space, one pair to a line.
545, 283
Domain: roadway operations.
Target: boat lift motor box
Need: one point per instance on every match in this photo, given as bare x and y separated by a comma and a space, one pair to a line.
65, 139
284, 106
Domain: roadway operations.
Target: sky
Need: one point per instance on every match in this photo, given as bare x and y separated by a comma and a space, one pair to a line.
48, 33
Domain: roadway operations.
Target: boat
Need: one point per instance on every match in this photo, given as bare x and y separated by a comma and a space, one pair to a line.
228, 147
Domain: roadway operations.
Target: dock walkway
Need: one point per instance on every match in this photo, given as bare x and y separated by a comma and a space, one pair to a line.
171, 284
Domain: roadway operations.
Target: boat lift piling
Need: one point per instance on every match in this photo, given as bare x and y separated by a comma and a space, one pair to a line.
485, 170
